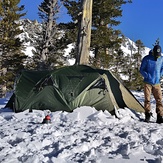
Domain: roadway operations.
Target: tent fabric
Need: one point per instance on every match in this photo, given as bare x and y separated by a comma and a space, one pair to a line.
69, 87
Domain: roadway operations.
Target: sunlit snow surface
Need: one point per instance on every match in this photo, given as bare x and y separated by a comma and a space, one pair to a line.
83, 136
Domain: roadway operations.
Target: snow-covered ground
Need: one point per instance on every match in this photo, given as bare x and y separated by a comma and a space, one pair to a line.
83, 136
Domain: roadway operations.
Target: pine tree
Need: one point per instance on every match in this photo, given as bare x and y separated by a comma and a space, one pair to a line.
138, 55
48, 54
11, 55
135, 79
157, 42
105, 41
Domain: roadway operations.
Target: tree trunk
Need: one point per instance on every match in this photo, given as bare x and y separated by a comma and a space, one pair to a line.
49, 32
84, 33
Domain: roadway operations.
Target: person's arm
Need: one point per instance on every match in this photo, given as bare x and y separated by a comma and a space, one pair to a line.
143, 68
161, 67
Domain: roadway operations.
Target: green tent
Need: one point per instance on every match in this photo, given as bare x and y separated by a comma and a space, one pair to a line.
70, 87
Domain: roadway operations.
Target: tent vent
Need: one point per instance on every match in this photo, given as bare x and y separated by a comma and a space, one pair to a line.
72, 94
100, 84
44, 82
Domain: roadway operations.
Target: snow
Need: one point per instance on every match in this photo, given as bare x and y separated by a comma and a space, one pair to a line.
83, 136
28, 50
66, 54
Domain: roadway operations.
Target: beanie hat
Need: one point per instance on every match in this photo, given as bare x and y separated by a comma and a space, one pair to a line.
157, 51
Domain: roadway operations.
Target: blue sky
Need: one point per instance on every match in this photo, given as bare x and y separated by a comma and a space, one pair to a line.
141, 19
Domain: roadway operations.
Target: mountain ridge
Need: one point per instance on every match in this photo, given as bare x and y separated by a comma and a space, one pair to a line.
30, 28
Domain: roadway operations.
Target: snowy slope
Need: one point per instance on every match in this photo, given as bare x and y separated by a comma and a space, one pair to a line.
126, 48
83, 136
31, 27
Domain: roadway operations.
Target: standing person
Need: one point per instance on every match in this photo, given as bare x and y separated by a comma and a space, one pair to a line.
152, 69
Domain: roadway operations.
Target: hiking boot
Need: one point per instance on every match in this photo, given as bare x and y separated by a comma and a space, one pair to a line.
159, 119
147, 117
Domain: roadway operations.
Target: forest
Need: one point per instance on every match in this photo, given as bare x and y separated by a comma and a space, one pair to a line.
50, 39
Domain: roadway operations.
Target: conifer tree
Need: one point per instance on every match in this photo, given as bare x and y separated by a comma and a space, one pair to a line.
11, 55
48, 54
105, 41
136, 80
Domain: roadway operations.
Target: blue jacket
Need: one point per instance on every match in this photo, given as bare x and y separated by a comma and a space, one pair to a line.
152, 70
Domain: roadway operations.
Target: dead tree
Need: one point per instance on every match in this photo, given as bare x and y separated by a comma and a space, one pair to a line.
84, 33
